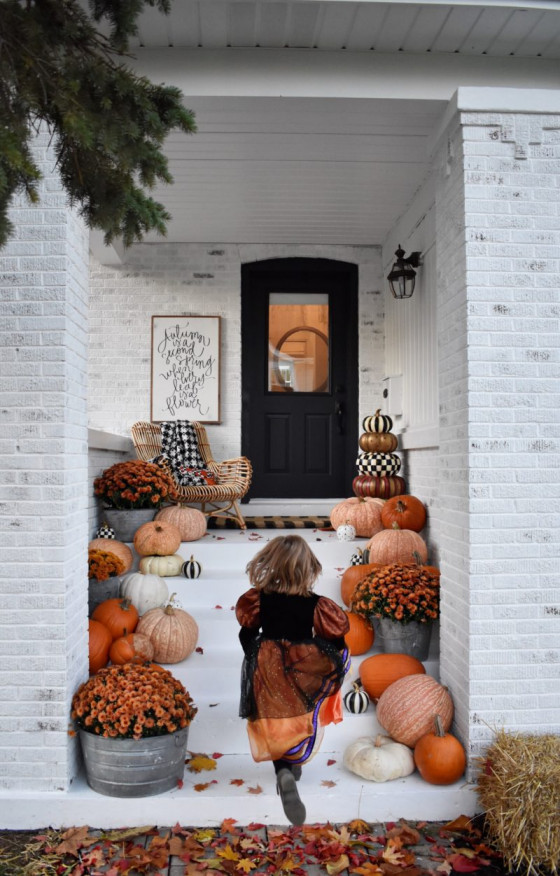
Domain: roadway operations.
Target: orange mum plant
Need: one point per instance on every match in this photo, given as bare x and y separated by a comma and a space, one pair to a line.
134, 484
132, 701
104, 564
401, 593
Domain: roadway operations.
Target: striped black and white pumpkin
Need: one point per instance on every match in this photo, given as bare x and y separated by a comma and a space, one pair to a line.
378, 464
105, 531
378, 423
191, 568
356, 700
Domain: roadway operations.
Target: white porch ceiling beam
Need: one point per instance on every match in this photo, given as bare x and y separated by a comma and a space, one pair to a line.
308, 73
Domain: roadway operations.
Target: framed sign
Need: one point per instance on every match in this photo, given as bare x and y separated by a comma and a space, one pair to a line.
185, 368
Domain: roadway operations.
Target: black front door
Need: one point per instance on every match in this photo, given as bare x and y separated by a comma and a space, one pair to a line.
300, 377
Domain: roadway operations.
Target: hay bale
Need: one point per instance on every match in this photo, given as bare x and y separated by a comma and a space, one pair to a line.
519, 788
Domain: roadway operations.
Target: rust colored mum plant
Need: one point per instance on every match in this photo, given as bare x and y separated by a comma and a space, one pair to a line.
103, 565
401, 593
132, 701
134, 484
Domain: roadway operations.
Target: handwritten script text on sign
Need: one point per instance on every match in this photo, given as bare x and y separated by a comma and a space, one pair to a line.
187, 367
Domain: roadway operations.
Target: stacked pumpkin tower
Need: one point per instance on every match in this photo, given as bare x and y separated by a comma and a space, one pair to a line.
378, 465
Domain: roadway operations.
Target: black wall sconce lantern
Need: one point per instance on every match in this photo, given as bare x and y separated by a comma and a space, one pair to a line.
402, 278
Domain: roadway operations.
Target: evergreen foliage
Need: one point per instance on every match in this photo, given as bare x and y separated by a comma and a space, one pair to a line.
65, 68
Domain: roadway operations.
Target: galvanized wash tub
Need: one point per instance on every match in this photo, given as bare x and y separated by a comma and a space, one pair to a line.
134, 767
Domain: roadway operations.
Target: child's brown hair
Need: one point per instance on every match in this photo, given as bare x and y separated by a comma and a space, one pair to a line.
285, 565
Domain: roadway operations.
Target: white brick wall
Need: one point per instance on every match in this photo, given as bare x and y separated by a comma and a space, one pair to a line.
43, 486
498, 276
168, 278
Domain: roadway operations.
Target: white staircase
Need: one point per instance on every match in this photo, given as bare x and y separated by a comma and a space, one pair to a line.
330, 792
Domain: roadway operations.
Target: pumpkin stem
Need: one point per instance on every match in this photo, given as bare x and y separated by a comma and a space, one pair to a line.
126, 603
417, 558
378, 741
395, 525
169, 608
378, 411
357, 685
400, 506
439, 731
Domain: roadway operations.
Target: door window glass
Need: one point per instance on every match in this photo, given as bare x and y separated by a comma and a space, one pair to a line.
298, 342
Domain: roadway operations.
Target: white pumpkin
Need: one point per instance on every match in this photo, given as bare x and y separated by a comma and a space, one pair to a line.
144, 591
345, 532
164, 566
379, 759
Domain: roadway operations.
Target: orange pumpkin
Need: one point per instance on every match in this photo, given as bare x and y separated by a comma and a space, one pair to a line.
100, 640
190, 522
407, 708
157, 538
381, 670
407, 511
120, 616
397, 546
351, 577
360, 636
439, 756
361, 512
133, 648
119, 548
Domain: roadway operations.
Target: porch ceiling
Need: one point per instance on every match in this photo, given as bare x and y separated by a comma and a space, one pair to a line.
302, 163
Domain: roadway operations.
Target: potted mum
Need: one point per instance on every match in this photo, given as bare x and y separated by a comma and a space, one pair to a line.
103, 569
133, 722
131, 493
403, 601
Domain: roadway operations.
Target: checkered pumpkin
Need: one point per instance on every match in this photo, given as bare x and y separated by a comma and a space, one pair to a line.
105, 531
378, 464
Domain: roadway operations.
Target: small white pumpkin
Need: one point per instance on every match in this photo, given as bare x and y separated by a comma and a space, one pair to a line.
345, 532
164, 566
144, 591
191, 568
379, 759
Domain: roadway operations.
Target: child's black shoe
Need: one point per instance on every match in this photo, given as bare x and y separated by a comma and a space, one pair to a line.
286, 787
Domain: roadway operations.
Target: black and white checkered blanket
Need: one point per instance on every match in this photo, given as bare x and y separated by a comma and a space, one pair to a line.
179, 445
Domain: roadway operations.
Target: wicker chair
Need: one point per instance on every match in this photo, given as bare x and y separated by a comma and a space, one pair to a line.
233, 476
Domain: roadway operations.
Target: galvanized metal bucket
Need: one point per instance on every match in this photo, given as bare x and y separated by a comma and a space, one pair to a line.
134, 767
395, 638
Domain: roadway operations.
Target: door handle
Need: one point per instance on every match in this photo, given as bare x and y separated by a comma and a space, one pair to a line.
339, 411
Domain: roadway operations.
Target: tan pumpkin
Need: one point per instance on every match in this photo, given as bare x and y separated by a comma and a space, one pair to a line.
158, 537
172, 631
378, 442
165, 567
397, 545
380, 670
360, 636
352, 576
407, 708
361, 512
119, 548
133, 648
190, 522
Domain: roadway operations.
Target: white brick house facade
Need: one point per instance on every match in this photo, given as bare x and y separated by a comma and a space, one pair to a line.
492, 475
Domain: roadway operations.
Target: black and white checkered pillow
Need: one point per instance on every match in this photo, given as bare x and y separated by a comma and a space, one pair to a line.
179, 445
378, 464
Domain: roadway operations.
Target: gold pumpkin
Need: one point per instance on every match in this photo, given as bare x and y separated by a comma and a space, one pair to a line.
172, 631
378, 442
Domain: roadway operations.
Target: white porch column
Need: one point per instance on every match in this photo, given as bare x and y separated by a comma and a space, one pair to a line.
43, 486
498, 275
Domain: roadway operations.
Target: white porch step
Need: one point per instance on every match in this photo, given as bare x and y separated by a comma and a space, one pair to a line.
212, 678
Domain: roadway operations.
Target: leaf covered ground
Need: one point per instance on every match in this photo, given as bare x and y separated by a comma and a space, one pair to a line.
392, 849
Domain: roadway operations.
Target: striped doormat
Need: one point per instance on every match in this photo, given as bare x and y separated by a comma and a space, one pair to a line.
273, 522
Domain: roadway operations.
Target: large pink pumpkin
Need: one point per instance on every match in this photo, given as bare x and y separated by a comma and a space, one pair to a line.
361, 512
407, 708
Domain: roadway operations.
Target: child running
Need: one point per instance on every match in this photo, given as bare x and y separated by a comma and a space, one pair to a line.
294, 665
